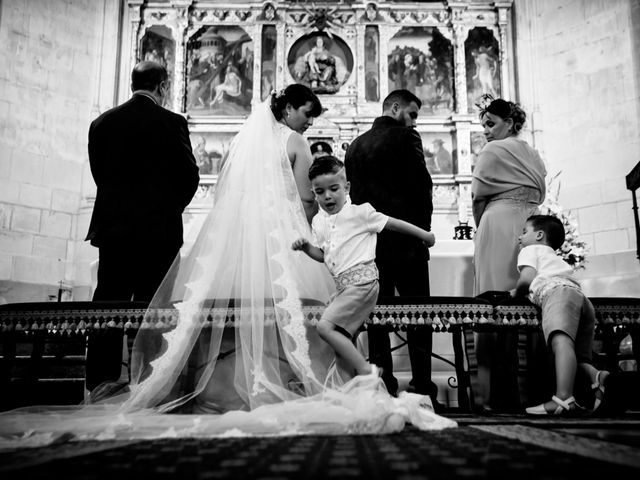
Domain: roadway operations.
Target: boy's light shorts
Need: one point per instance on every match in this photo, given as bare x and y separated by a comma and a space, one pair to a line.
351, 307
568, 310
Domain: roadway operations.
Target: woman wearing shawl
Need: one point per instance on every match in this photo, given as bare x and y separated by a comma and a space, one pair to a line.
508, 185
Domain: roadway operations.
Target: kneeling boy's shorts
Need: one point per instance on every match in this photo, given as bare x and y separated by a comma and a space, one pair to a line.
568, 310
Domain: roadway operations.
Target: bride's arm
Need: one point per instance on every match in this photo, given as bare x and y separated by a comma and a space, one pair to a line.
300, 157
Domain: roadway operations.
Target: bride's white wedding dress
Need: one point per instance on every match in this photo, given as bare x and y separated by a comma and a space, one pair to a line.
226, 348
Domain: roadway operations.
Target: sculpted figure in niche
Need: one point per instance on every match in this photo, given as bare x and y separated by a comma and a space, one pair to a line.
371, 13
486, 69
322, 67
317, 68
268, 13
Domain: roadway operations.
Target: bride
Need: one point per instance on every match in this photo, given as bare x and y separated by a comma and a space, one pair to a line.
228, 346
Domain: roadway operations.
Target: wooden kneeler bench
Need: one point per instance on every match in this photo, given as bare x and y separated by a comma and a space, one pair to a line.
50, 352
57, 347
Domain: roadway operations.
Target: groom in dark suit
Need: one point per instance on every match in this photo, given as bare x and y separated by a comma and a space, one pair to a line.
141, 160
386, 168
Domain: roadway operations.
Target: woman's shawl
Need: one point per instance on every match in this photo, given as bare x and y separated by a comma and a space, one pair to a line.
504, 165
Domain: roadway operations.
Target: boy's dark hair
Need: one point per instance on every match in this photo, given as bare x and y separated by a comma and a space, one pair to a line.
403, 97
324, 165
147, 76
552, 228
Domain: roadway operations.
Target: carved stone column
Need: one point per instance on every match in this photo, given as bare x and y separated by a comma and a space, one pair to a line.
360, 64
257, 65
179, 31
135, 15
386, 33
508, 90
463, 145
460, 33
283, 39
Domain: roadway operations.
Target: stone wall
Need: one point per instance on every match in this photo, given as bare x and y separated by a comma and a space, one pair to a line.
577, 74
51, 53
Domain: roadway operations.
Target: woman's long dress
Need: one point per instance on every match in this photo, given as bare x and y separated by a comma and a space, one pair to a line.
496, 239
507, 187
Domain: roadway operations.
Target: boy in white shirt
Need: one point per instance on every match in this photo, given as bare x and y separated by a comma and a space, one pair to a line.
568, 317
346, 236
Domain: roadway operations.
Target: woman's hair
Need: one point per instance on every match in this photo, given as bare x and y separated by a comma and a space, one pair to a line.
503, 109
325, 165
296, 95
552, 228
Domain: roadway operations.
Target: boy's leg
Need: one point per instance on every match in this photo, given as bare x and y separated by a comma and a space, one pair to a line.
584, 351
565, 363
561, 313
343, 347
342, 319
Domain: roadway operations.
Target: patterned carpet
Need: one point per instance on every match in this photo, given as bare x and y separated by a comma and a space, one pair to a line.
496, 446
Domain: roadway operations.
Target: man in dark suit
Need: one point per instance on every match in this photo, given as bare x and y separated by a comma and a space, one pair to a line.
386, 168
141, 160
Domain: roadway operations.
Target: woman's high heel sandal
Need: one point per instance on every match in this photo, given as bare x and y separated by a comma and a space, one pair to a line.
564, 406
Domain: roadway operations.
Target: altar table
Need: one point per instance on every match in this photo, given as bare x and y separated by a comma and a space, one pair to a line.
47, 342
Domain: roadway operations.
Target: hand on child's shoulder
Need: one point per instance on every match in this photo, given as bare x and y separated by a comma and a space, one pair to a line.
299, 244
430, 239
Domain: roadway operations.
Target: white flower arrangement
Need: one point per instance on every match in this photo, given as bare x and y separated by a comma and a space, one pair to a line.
573, 250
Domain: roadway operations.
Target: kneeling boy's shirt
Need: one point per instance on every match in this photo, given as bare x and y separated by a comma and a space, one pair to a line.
551, 271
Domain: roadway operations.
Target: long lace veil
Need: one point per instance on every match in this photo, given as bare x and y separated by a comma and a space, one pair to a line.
238, 323
229, 329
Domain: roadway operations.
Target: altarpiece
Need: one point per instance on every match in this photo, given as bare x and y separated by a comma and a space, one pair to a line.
225, 57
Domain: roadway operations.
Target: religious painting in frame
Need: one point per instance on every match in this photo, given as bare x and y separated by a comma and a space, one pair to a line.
478, 141
219, 72
482, 60
421, 60
158, 46
268, 70
438, 148
320, 62
371, 64
210, 150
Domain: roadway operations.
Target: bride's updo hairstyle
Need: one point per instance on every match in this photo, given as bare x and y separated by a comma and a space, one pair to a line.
296, 95
503, 109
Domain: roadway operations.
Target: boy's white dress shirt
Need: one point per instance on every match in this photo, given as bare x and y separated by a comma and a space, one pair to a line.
348, 238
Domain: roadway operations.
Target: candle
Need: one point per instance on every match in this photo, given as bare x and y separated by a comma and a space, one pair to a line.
462, 213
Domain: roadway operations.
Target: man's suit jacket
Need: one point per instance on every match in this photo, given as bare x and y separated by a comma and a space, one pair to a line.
386, 168
141, 160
